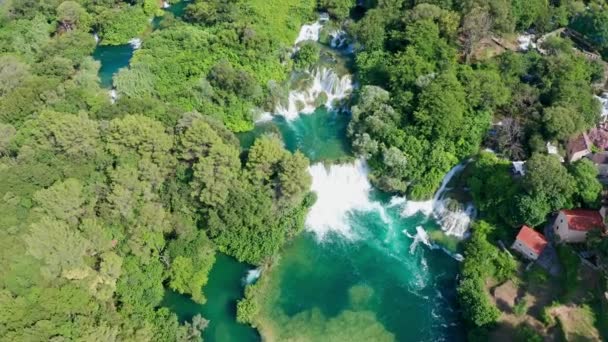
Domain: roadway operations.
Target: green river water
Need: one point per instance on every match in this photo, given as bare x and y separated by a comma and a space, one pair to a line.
369, 285
352, 275
115, 57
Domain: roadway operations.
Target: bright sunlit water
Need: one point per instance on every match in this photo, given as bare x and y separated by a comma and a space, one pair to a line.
363, 269
320, 136
351, 275
112, 58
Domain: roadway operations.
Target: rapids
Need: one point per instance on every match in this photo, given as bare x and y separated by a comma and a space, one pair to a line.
341, 189
309, 32
325, 88
454, 222
367, 262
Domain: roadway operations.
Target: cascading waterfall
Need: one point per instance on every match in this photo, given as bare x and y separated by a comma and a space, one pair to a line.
341, 189
135, 43
453, 222
96, 37
324, 83
357, 241
166, 5
338, 39
252, 276
604, 102
309, 32
262, 117
113, 96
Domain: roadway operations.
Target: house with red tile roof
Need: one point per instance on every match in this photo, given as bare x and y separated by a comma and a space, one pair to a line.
529, 243
578, 147
573, 225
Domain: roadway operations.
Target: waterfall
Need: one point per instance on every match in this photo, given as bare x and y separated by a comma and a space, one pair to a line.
453, 222
341, 189
252, 276
96, 37
135, 43
326, 86
526, 41
325, 83
338, 39
412, 207
263, 117
166, 5
604, 102
311, 31
113, 96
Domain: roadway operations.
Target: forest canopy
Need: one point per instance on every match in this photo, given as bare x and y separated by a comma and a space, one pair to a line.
103, 207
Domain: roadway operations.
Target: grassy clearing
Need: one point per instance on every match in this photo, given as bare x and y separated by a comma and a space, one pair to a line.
577, 322
570, 270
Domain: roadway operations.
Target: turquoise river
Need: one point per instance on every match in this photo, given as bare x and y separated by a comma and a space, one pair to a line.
359, 271
353, 272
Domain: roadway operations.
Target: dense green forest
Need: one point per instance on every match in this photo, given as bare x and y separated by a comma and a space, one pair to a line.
430, 98
437, 102
103, 206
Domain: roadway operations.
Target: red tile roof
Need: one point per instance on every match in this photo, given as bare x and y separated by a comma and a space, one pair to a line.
579, 143
532, 239
583, 220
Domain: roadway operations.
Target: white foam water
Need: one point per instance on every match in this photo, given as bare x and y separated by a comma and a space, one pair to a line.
113, 96
421, 236
604, 102
413, 207
166, 5
341, 189
453, 222
309, 32
263, 117
135, 43
96, 37
526, 41
252, 276
396, 201
338, 39
324, 82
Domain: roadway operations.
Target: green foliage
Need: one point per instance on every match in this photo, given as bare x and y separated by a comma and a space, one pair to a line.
525, 333
482, 260
192, 259
520, 308
103, 206
492, 187
476, 305
570, 262
339, 9
588, 188
71, 15
223, 68
266, 207
248, 308
432, 111
547, 179
152, 7
119, 25
98, 208
307, 55
593, 24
